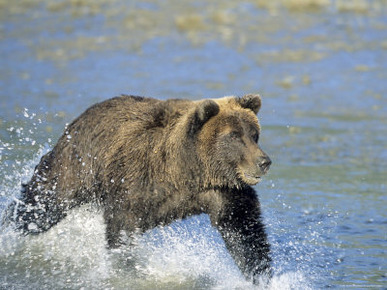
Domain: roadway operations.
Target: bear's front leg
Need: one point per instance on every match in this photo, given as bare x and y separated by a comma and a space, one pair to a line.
239, 223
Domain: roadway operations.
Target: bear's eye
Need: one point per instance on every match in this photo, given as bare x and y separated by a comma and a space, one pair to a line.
255, 137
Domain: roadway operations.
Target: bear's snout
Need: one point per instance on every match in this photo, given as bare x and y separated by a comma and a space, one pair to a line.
252, 173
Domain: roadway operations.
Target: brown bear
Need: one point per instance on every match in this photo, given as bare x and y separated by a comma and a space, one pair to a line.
148, 162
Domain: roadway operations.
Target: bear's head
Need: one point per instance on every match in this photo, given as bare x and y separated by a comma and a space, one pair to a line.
227, 141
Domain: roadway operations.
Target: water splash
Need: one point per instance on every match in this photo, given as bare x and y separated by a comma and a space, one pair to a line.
188, 255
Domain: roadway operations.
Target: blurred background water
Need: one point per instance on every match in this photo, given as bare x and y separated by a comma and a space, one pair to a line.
320, 67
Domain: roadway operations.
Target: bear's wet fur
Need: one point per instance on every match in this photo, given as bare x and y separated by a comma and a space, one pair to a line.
149, 162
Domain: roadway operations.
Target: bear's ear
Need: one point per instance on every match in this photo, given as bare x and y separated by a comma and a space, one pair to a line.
250, 101
204, 111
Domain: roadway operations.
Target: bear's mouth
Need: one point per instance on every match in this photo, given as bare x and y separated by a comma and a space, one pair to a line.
250, 179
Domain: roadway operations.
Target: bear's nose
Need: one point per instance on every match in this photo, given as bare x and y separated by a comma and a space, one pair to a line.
265, 163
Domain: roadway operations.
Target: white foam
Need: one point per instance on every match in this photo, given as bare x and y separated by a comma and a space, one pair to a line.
187, 254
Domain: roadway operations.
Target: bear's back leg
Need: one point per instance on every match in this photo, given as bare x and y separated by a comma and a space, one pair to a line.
36, 211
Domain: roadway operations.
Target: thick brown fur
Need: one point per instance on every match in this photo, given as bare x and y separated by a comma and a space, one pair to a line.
149, 162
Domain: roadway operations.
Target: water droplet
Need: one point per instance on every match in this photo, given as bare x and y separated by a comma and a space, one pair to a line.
32, 226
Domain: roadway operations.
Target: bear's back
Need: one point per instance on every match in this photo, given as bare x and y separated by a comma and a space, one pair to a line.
144, 112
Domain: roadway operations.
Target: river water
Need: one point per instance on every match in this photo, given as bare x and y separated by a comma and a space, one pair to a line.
320, 67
